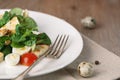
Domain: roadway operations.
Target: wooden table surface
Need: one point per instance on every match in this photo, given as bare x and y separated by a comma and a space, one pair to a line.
106, 13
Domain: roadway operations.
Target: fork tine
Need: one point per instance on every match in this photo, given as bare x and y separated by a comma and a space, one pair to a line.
56, 44
61, 42
55, 41
51, 48
62, 46
65, 41
56, 49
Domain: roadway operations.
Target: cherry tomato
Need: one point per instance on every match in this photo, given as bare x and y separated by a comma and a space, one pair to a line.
28, 59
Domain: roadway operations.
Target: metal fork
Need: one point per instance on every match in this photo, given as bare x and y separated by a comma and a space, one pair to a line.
54, 51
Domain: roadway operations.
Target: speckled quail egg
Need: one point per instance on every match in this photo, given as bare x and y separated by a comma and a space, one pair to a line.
88, 22
85, 69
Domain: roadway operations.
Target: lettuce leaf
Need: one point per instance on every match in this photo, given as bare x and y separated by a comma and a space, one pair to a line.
43, 39
6, 17
16, 11
7, 49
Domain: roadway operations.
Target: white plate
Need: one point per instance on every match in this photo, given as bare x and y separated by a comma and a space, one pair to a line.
52, 26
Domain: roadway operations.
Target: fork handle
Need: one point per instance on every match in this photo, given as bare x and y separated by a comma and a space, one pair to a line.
23, 74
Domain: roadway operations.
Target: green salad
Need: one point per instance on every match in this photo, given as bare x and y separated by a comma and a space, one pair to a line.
17, 30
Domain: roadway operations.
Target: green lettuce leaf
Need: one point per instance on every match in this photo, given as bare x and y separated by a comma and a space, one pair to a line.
43, 39
16, 11
6, 17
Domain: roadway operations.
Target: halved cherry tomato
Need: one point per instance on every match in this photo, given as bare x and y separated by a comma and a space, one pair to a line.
28, 59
